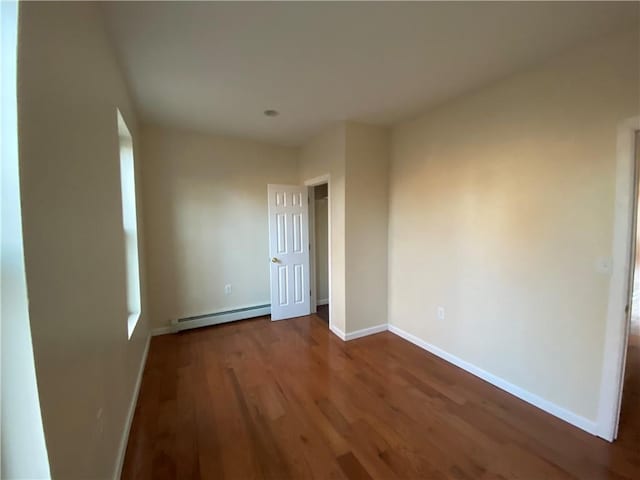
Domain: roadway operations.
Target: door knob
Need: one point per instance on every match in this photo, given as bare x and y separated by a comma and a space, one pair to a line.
274, 260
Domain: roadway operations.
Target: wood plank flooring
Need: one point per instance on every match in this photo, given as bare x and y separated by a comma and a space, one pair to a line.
629, 430
275, 400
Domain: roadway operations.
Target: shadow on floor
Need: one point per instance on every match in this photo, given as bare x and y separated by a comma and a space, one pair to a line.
323, 312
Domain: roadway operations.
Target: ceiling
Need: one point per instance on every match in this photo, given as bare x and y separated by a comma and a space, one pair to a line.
215, 67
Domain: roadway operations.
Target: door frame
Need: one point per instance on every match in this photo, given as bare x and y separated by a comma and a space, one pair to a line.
621, 283
310, 184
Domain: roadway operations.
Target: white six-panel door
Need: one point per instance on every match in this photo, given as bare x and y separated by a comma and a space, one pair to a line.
289, 251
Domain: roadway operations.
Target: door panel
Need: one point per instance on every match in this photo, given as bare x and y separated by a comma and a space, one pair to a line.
289, 251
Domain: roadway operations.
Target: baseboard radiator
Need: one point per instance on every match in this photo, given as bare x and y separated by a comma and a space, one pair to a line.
217, 318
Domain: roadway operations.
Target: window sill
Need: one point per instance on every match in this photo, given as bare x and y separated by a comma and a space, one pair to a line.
131, 324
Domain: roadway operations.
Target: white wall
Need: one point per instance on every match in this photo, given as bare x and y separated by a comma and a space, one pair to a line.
322, 248
24, 452
500, 203
69, 88
205, 203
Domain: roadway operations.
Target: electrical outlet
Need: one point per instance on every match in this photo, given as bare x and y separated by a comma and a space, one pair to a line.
603, 265
440, 313
227, 289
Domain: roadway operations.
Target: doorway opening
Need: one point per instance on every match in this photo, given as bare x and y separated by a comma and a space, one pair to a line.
629, 423
617, 369
321, 251
320, 246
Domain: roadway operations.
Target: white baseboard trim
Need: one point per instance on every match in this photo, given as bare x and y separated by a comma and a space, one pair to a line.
324, 301
365, 332
358, 333
339, 333
549, 407
132, 409
162, 331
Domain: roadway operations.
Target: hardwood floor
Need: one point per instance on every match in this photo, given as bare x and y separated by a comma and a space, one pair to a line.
629, 430
288, 399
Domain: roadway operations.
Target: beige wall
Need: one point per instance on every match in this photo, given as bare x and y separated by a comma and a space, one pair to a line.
500, 203
205, 201
325, 155
322, 249
69, 88
205, 211
356, 157
367, 164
